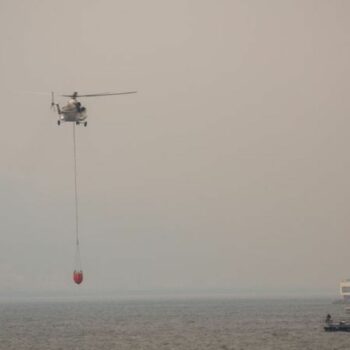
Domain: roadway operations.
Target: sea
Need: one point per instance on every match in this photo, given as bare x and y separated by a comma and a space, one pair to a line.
188, 323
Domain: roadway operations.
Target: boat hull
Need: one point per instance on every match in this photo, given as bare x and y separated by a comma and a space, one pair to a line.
337, 328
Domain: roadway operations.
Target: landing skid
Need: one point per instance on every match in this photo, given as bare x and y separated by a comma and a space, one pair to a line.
77, 123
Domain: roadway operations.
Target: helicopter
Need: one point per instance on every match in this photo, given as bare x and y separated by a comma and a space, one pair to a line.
74, 111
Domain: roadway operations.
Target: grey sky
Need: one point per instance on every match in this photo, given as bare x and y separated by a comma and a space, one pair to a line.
229, 168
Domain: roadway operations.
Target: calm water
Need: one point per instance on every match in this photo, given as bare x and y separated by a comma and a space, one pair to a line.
169, 324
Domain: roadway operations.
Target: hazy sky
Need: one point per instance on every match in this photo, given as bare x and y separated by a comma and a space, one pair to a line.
229, 169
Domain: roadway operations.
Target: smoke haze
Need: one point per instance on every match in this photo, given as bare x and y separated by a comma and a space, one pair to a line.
228, 170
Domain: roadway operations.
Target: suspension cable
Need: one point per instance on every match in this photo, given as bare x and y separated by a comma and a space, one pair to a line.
76, 189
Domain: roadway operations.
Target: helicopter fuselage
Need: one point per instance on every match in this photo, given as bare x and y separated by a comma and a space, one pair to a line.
73, 111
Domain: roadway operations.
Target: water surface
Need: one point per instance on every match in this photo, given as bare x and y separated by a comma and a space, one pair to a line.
164, 323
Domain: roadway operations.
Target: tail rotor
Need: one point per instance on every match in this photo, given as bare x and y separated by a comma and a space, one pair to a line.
53, 105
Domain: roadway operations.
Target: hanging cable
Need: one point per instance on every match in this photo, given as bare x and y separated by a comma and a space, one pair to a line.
76, 187
78, 273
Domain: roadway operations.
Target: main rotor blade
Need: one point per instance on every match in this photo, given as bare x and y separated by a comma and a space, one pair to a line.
35, 93
102, 94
